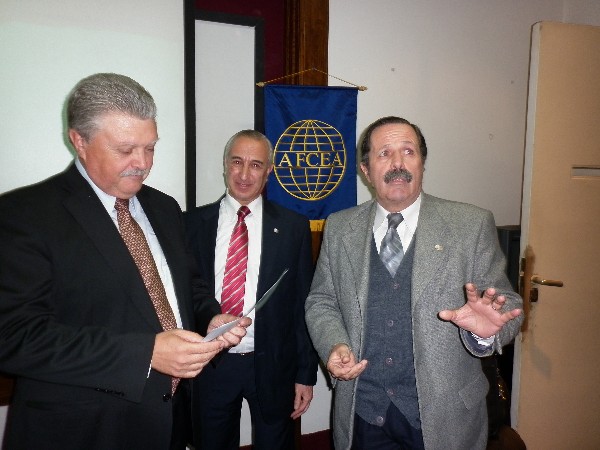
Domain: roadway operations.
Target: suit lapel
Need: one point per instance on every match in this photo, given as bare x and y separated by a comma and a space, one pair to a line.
271, 244
357, 244
211, 219
207, 224
432, 242
88, 211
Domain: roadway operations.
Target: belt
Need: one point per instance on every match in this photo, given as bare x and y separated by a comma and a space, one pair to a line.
241, 353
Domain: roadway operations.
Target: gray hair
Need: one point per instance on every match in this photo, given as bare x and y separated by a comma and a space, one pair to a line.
251, 134
102, 93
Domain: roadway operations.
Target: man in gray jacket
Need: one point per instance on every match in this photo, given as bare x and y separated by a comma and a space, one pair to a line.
409, 290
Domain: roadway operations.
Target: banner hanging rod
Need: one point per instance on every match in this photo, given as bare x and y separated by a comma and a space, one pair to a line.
264, 83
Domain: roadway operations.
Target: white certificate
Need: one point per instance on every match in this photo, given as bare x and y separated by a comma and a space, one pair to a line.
259, 304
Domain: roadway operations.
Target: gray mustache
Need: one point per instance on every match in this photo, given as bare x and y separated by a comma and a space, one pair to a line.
398, 174
135, 173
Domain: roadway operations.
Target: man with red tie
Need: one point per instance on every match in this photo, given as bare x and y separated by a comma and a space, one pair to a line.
242, 243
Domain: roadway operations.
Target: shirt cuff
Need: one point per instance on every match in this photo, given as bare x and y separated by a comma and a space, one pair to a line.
484, 342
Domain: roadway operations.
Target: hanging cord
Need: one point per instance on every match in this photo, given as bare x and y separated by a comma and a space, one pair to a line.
264, 83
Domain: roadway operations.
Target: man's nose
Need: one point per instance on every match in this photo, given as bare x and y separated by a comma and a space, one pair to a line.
245, 171
142, 159
397, 160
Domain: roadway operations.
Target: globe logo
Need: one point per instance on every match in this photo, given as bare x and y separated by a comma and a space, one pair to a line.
310, 160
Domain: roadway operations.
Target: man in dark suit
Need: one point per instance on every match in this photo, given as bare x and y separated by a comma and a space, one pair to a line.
275, 365
96, 367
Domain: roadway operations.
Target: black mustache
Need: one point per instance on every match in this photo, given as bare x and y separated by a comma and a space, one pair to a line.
398, 174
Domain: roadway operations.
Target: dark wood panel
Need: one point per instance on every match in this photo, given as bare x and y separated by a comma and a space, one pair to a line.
6, 387
306, 41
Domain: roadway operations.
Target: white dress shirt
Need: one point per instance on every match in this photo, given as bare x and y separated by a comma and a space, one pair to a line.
227, 220
137, 212
406, 229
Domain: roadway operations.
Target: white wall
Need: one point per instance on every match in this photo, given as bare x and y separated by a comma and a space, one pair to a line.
48, 46
458, 69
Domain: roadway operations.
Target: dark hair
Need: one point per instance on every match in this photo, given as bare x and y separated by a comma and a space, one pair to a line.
365, 145
101, 93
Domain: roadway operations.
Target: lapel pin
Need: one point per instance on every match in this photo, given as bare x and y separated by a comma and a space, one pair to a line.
275, 230
438, 247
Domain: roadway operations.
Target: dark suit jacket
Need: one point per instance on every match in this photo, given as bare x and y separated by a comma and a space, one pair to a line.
77, 326
284, 354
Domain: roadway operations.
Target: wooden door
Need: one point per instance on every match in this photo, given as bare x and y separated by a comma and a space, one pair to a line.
556, 386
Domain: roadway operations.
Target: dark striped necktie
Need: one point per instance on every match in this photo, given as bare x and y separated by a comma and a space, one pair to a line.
391, 251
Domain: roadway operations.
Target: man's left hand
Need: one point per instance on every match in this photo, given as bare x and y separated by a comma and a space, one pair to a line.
304, 395
481, 314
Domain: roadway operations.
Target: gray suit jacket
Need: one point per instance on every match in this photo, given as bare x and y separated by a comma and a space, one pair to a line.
455, 243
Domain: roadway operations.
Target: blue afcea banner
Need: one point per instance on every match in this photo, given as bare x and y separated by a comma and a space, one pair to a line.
313, 131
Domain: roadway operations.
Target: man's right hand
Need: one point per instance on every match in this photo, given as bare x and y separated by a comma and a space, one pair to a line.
342, 363
182, 354
233, 336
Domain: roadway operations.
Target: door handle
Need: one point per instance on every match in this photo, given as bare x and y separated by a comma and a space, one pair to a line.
536, 279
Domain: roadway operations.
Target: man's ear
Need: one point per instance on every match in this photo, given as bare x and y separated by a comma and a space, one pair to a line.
365, 170
78, 143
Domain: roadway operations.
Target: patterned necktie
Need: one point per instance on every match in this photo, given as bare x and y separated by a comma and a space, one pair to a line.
234, 280
391, 252
140, 251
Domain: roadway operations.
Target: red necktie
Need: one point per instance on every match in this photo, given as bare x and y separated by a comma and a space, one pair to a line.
140, 251
234, 280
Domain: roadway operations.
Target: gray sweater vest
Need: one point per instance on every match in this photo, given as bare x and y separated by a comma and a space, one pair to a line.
390, 374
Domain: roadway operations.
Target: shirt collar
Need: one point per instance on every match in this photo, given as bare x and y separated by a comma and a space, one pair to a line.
108, 201
410, 214
231, 206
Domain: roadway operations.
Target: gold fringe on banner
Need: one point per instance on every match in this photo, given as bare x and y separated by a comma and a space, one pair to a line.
317, 225
264, 83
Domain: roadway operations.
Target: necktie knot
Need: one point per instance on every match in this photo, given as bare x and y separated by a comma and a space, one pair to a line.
122, 204
242, 213
394, 219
